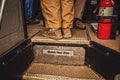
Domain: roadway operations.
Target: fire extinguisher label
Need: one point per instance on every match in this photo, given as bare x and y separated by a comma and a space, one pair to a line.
106, 11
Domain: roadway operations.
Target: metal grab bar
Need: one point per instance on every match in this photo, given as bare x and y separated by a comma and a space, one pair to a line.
2, 10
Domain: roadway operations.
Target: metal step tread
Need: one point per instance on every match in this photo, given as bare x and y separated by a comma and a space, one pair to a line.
78, 37
40, 71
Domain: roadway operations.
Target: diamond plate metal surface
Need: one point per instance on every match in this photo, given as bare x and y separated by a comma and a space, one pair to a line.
78, 37
39, 71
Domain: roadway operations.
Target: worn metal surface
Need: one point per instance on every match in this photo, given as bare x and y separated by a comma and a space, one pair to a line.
78, 37
2, 5
59, 54
49, 77
39, 71
11, 26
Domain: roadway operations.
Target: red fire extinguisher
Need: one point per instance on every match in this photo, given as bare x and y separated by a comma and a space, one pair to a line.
104, 28
106, 8
104, 25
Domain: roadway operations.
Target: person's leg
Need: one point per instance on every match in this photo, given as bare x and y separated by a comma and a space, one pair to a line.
35, 7
79, 9
67, 7
52, 16
51, 13
28, 8
67, 13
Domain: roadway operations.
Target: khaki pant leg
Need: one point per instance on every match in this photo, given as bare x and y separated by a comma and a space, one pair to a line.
67, 13
51, 13
79, 8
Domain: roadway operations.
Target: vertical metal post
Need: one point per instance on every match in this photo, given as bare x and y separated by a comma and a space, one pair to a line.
2, 10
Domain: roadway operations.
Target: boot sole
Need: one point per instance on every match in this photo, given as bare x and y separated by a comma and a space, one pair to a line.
52, 37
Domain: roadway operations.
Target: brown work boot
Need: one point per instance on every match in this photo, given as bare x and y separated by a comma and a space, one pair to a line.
53, 33
79, 24
67, 33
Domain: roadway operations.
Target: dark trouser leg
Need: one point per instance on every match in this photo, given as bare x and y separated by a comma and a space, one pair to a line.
35, 7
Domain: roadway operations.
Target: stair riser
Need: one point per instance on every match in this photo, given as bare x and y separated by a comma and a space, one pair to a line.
59, 55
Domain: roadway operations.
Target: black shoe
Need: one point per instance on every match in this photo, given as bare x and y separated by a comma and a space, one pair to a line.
33, 21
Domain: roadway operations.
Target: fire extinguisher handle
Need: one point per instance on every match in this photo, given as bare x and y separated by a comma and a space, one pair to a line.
112, 1
95, 10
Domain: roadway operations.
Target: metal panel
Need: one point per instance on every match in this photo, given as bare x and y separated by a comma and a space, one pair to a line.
59, 54
2, 6
103, 60
13, 64
11, 31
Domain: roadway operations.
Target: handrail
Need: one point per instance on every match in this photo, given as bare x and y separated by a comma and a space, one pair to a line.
2, 10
